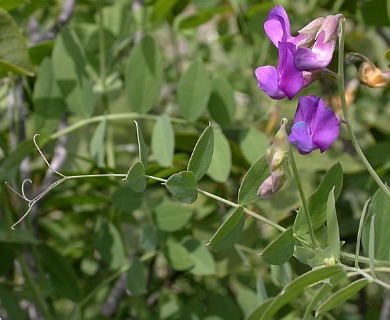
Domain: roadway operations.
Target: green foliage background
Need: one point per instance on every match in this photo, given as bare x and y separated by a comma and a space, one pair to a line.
104, 248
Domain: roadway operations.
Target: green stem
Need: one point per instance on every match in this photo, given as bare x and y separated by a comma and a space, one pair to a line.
109, 117
294, 168
41, 303
340, 82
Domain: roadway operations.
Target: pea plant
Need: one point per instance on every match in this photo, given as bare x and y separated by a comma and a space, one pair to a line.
155, 167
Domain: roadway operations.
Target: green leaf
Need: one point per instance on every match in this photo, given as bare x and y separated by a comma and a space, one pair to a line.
144, 75
178, 256
342, 295
136, 177
96, 146
148, 238
380, 205
281, 249
386, 55
229, 232
11, 304
222, 104
10, 166
221, 162
49, 105
360, 231
371, 246
136, 278
13, 53
9, 5
109, 243
171, 216
253, 143
62, 276
183, 186
202, 154
143, 156
163, 141
193, 91
161, 8
317, 203
375, 13
255, 176
69, 68
281, 274
311, 277
333, 227
279, 302
203, 260
126, 200
259, 311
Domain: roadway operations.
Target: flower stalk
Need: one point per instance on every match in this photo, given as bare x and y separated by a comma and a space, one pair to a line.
355, 143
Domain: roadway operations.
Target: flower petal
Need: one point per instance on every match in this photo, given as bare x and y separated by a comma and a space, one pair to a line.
300, 136
317, 58
267, 77
290, 79
277, 26
306, 110
325, 127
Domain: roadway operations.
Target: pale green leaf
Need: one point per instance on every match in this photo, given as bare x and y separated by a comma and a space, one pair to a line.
229, 232
96, 146
183, 186
371, 246
221, 161
171, 216
163, 141
144, 75
281, 249
204, 264
193, 91
69, 69
253, 143
13, 50
178, 256
202, 154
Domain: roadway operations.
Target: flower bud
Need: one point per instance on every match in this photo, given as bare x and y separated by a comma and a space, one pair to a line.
280, 147
273, 183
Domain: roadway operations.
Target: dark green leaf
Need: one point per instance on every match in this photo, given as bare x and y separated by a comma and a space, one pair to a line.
13, 53
202, 154
255, 176
10, 165
62, 276
161, 8
341, 296
222, 104
49, 105
281, 249
317, 203
229, 232
109, 243
163, 141
69, 69
126, 200
143, 75
375, 13
136, 177
193, 91
333, 227
171, 216
183, 186
11, 304
311, 277
136, 278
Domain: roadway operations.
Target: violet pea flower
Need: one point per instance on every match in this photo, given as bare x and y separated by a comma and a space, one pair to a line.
315, 126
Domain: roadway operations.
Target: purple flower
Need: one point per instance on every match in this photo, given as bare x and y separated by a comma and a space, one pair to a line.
299, 65
315, 126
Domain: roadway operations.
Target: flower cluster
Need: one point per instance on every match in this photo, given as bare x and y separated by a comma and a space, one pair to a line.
302, 59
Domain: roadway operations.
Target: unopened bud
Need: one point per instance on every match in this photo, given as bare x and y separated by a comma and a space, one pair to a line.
280, 147
273, 183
